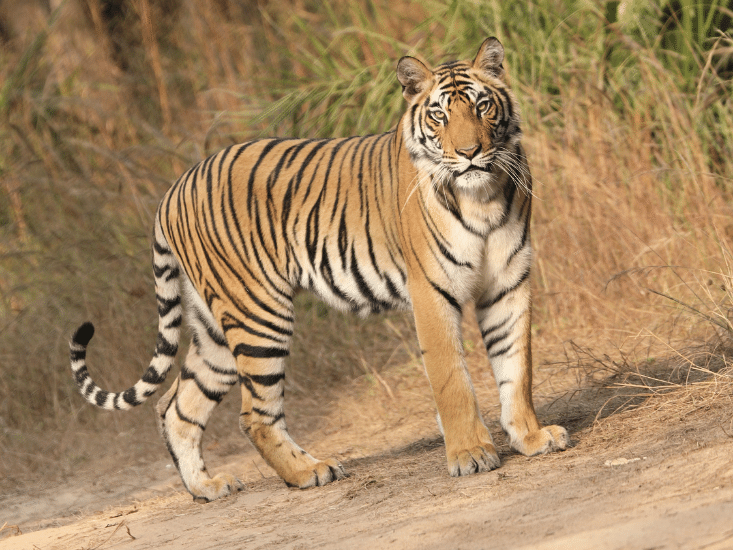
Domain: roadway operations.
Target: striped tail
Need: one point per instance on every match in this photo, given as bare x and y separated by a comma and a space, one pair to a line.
168, 293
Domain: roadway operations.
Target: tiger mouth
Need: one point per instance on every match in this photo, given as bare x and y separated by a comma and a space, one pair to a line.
473, 168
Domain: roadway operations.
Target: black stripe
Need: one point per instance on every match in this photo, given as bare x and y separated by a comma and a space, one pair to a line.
80, 376
259, 352
271, 217
211, 395
370, 246
252, 172
450, 299
276, 419
187, 419
182, 227
496, 339
247, 383
495, 327
343, 237
510, 190
340, 169
175, 323
287, 198
101, 397
230, 323
445, 252
173, 455
152, 376
503, 350
164, 347
327, 274
165, 306
320, 144
266, 250
522, 243
392, 288
311, 229
158, 271
337, 145
506, 103
219, 370
267, 379
218, 338
186, 373
364, 288
130, 397
314, 177
160, 248
490, 302
262, 305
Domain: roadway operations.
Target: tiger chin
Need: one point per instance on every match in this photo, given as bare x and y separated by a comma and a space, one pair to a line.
432, 216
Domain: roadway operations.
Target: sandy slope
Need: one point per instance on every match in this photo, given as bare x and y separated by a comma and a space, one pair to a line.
680, 496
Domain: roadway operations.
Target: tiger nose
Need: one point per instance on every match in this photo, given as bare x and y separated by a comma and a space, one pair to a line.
470, 151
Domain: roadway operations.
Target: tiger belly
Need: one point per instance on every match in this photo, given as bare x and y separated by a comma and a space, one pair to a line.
351, 283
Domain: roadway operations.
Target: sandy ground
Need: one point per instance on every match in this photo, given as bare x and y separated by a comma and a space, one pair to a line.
650, 477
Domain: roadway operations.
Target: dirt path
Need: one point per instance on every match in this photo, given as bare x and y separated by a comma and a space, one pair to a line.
655, 477
676, 496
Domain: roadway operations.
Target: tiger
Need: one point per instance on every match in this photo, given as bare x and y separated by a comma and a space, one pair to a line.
432, 216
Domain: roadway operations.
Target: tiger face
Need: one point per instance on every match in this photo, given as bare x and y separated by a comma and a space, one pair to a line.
463, 120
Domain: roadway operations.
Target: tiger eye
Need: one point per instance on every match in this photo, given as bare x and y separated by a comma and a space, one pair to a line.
439, 116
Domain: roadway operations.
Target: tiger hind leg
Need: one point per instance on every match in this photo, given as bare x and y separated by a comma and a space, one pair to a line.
262, 419
206, 377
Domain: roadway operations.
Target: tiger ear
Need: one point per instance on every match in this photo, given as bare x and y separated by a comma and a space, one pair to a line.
413, 75
489, 58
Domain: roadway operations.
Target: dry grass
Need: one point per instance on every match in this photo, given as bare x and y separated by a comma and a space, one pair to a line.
631, 154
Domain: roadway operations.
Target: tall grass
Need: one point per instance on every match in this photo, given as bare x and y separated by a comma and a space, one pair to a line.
627, 118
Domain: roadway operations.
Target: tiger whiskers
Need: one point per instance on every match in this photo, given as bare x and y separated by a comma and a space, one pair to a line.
512, 164
440, 178
419, 179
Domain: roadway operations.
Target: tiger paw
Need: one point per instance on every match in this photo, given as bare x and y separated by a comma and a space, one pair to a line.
481, 458
316, 475
221, 485
542, 441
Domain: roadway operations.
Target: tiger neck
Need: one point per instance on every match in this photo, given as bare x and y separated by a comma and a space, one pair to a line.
480, 211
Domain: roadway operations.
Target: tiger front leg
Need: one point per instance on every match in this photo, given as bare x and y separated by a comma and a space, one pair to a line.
468, 444
504, 317
262, 420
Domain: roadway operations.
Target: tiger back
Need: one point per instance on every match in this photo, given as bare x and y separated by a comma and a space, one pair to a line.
432, 216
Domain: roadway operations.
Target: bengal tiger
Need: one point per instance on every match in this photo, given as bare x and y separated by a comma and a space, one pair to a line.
433, 216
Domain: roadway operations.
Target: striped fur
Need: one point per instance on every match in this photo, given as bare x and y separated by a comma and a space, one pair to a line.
431, 217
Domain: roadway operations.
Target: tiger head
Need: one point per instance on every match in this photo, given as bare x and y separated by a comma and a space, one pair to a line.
462, 122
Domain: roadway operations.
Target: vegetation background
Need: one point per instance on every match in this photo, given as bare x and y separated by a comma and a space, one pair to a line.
628, 118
